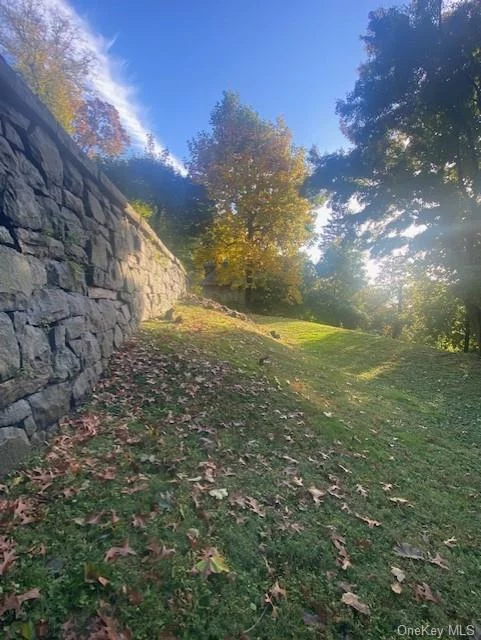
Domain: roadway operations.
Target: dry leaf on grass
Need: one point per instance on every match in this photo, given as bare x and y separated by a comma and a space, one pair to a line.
317, 494
119, 552
352, 600
422, 592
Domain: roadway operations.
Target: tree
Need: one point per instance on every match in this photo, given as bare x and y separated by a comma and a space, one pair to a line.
98, 130
45, 47
252, 171
414, 120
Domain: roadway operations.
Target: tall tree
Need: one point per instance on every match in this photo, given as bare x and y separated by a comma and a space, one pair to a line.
43, 45
98, 130
414, 120
252, 172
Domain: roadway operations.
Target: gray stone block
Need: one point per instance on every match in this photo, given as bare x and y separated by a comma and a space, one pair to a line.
48, 306
65, 364
14, 448
46, 155
50, 404
9, 349
94, 209
15, 413
20, 205
6, 236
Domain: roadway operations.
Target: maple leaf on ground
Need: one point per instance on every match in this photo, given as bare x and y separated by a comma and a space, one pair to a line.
14, 602
450, 542
119, 552
352, 600
317, 494
396, 587
386, 486
439, 561
276, 592
211, 562
9, 558
336, 491
343, 559
253, 505
138, 521
423, 592
361, 490
157, 551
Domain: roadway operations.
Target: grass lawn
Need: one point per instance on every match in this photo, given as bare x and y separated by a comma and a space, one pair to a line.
332, 492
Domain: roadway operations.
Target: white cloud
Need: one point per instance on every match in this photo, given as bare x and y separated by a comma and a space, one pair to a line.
108, 82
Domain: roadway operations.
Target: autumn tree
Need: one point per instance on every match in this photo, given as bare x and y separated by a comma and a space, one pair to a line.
414, 123
45, 47
98, 130
252, 172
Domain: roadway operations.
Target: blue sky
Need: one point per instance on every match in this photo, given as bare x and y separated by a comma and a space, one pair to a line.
289, 57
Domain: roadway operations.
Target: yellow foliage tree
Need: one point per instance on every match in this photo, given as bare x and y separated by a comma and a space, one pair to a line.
252, 172
46, 48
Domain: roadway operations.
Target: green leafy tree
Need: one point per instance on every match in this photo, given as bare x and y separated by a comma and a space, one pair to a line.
252, 172
414, 121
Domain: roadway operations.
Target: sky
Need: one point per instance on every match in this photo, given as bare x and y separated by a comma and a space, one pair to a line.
165, 63
170, 60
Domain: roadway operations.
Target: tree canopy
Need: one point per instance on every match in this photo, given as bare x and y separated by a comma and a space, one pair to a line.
414, 122
252, 172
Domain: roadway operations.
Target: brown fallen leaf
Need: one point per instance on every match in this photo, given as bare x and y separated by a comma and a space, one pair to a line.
336, 491
352, 600
386, 486
138, 521
423, 592
8, 560
361, 490
439, 561
398, 574
119, 552
400, 501
14, 602
450, 542
370, 523
396, 587
276, 592
210, 562
316, 494
157, 551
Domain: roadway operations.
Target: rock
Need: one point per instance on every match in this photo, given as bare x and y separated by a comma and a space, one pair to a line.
40, 244
50, 404
74, 327
66, 275
16, 279
21, 386
20, 205
5, 236
15, 413
94, 209
9, 349
29, 426
99, 251
106, 340
47, 306
65, 364
14, 448
83, 385
118, 337
87, 349
46, 155
12, 136
73, 179
36, 353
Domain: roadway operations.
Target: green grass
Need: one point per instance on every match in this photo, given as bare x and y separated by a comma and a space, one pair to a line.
333, 407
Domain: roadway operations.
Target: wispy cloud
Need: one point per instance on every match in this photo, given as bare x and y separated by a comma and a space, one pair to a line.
108, 80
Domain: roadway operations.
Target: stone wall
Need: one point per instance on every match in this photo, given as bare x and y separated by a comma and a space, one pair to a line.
78, 271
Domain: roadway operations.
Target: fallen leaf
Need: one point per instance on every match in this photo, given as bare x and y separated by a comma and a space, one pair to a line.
370, 523
211, 562
14, 602
159, 552
423, 592
439, 561
396, 587
386, 486
400, 501
336, 491
398, 574
450, 542
277, 592
353, 601
361, 490
119, 552
9, 558
219, 494
316, 494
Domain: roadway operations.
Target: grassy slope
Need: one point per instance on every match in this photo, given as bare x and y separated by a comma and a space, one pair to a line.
183, 395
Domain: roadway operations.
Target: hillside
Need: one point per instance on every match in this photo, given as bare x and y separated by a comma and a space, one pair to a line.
202, 494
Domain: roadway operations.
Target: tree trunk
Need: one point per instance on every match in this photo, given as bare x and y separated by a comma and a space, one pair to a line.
249, 289
467, 332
